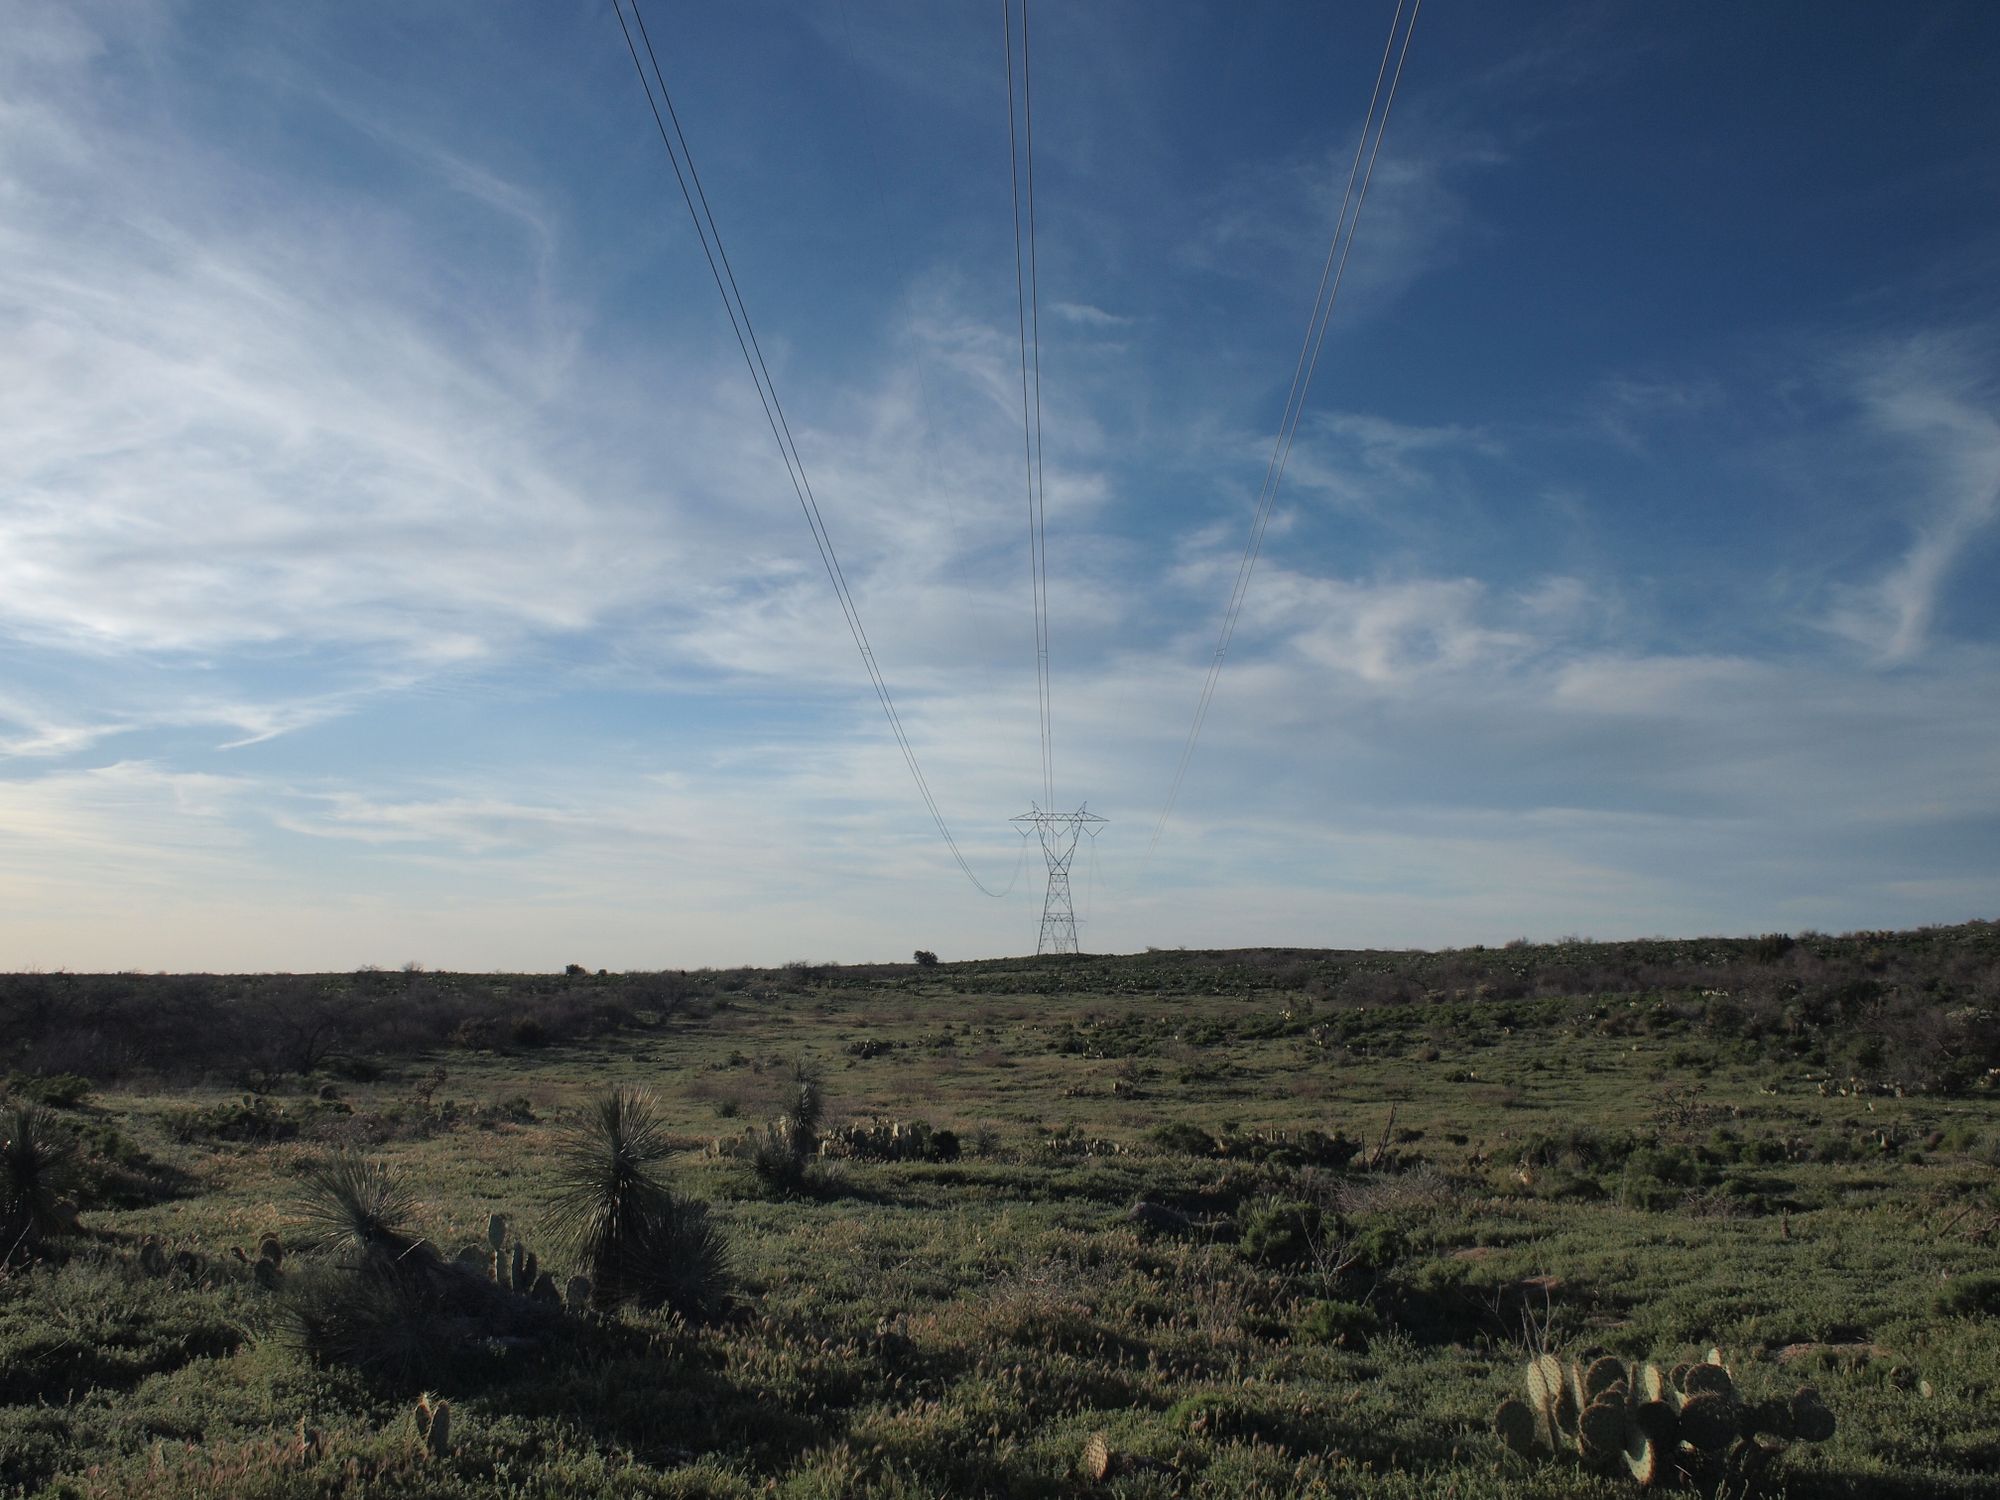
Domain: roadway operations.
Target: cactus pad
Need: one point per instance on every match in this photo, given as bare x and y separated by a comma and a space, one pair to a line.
1711, 1379
1096, 1462
1568, 1403
1515, 1424
1601, 1376
1708, 1421
1651, 1385
1773, 1417
1658, 1420
433, 1421
1642, 1456
1545, 1383
1600, 1431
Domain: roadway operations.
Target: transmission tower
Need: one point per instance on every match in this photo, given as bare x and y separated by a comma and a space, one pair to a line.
1059, 833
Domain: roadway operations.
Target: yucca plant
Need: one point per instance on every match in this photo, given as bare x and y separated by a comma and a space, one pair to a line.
37, 1162
803, 1120
388, 1304
364, 1207
637, 1240
780, 1154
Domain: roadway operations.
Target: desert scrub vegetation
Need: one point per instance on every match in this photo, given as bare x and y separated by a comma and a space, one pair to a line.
1267, 1223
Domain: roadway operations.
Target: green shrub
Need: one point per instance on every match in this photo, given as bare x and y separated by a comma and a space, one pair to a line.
253, 1118
1180, 1136
1347, 1325
1279, 1233
57, 1090
1973, 1296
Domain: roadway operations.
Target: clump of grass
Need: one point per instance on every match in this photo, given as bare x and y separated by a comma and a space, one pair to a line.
639, 1241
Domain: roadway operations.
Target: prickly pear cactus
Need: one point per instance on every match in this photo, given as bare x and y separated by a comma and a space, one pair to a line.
432, 1419
1689, 1426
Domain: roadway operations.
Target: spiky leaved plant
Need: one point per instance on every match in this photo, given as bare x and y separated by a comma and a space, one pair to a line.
637, 1241
807, 1111
684, 1264
36, 1164
364, 1207
607, 1162
779, 1156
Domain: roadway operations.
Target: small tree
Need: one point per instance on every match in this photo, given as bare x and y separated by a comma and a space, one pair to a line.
925, 958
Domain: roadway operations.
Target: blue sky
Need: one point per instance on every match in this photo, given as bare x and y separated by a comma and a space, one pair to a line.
395, 564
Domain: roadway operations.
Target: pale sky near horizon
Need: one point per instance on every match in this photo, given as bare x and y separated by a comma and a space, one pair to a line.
395, 563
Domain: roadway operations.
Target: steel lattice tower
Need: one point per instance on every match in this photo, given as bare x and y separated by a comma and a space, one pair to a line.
1059, 834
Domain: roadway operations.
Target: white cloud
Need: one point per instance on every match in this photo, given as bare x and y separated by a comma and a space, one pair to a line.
282, 452
1370, 464
1273, 221
1088, 316
1926, 395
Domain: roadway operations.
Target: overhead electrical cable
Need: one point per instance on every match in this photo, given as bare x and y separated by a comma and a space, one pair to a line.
1027, 304
1331, 275
719, 268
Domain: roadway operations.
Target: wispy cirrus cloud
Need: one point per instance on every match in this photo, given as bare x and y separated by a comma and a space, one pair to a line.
1930, 397
1088, 316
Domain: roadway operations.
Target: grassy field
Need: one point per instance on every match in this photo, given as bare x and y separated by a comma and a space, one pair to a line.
1374, 1184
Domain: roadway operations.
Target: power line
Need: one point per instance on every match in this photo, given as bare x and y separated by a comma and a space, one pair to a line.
1328, 292
1027, 305
767, 394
